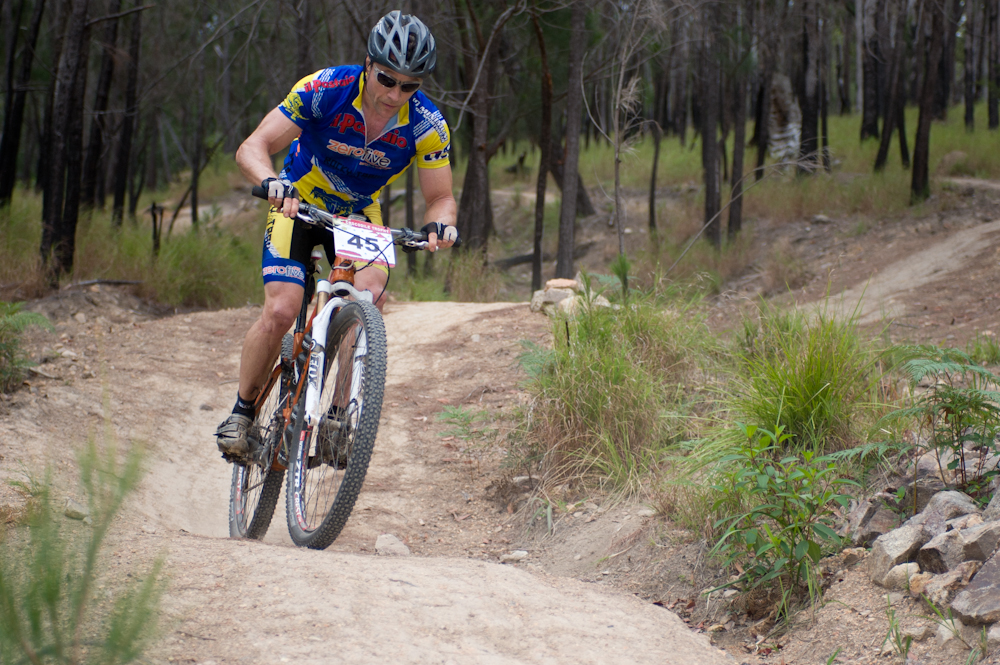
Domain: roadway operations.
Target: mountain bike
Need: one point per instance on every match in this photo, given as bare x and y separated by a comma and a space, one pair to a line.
318, 413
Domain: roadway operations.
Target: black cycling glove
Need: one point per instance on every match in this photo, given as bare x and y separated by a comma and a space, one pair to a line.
443, 231
279, 188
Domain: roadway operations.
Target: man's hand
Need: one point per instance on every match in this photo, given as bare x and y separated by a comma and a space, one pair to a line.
282, 195
439, 235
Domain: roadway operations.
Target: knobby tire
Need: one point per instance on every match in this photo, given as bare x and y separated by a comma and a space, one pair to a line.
255, 487
321, 492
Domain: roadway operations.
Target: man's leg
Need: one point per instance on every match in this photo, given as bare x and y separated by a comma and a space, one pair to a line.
374, 279
261, 346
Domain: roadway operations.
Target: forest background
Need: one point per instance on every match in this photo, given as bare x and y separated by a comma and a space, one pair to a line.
112, 105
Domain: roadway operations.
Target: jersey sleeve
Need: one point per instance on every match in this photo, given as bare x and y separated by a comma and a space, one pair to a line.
298, 105
433, 138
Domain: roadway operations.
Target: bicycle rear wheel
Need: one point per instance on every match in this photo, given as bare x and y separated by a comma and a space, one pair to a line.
329, 461
256, 484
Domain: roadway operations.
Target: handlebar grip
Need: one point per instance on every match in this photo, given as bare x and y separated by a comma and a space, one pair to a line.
259, 192
458, 242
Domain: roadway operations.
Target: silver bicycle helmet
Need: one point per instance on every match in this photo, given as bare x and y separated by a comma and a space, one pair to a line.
404, 44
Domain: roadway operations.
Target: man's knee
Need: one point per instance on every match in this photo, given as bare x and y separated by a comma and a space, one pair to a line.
281, 307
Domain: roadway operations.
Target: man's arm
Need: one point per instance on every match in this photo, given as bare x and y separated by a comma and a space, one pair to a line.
435, 185
275, 133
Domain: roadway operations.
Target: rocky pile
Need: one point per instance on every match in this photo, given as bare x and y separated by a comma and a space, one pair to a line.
945, 554
563, 296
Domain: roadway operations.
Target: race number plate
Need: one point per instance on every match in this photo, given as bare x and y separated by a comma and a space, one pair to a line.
364, 242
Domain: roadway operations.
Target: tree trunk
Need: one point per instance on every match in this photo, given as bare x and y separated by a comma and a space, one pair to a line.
14, 113
584, 206
844, 53
762, 121
869, 117
969, 70
545, 145
122, 163
824, 76
93, 163
859, 47
993, 64
896, 94
709, 89
920, 185
739, 141
809, 89
904, 151
304, 27
54, 233
574, 109
946, 70
657, 135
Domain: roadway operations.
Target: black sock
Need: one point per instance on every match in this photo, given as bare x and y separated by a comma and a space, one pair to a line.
242, 407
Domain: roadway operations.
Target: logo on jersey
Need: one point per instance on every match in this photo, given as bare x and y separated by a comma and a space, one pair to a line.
367, 155
336, 83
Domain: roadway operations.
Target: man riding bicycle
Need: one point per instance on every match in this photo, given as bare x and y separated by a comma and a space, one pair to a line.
352, 131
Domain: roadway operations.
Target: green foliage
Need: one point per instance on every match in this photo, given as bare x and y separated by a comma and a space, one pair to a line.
959, 407
983, 350
899, 642
48, 609
610, 394
13, 322
790, 519
467, 423
814, 377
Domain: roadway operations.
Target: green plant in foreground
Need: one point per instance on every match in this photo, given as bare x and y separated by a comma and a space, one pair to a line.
464, 422
13, 322
792, 503
48, 609
983, 349
960, 407
899, 642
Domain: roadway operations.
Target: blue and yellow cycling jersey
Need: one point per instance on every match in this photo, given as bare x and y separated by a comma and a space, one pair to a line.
332, 165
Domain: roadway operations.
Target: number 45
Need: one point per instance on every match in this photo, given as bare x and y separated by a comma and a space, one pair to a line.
362, 243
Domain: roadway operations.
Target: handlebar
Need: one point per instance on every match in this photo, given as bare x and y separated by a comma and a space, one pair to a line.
311, 214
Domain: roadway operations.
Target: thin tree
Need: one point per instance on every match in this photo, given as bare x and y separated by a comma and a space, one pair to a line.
935, 20
92, 180
123, 161
809, 87
574, 122
740, 76
969, 67
708, 84
870, 57
545, 145
896, 93
993, 62
13, 119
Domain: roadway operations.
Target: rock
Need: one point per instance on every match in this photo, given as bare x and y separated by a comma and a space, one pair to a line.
893, 548
951, 504
895, 598
979, 603
525, 483
389, 545
570, 306
930, 466
981, 541
821, 219
883, 521
918, 632
557, 283
950, 161
549, 297
992, 511
942, 553
80, 317
942, 588
926, 489
858, 516
206, 407
993, 637
918, 583
76, 510
899, 576
646, 512
955, 635
513, 557
854, 554
964, 522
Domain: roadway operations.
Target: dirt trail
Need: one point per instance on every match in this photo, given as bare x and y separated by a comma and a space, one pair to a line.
167, 382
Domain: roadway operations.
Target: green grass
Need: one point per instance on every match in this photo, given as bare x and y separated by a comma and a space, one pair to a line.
13, 322
611, 395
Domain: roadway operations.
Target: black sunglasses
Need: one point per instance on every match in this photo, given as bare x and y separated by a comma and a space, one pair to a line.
387, 82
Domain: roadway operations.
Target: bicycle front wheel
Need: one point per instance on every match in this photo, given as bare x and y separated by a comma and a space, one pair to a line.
256, 483
329, 461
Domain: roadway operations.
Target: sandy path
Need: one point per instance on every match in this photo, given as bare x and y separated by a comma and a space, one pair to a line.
169, 381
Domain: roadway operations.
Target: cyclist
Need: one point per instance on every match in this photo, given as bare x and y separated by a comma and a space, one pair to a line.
351, 130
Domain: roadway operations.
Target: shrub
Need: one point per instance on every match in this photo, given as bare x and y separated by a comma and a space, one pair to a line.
610, 394
960, 409
48, 612
13, 322
791, 501
814, 378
